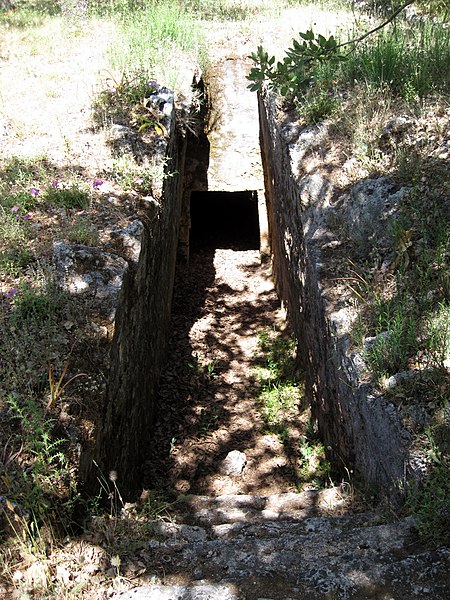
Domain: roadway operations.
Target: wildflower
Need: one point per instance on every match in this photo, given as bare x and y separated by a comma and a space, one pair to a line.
15, 209
34, 191
97, 183
55, 184
138, 180
10, 294
27, 216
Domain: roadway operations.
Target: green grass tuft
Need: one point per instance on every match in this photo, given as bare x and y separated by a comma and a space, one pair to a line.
37, 305
412, 62
151, 36
280, 391
66, 197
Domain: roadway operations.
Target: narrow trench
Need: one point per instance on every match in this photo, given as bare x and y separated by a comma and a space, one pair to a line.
207, 398
224, 299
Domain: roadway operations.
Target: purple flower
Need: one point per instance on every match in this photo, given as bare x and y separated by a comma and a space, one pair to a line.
138, 180
15, 209
10, 293
27, 216
55, 184
34, 191
97, 183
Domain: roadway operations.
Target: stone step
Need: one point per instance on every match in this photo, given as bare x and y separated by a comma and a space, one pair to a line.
209, 511
171, 532
181, 592
290, 552
288, 547
336, 562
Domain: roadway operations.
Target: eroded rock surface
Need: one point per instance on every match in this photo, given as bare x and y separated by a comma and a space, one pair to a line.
86, 270
299, 553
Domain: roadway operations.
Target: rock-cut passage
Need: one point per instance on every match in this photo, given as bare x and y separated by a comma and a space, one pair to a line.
209, 400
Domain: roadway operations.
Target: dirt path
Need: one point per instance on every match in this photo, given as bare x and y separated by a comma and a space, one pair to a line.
208, 399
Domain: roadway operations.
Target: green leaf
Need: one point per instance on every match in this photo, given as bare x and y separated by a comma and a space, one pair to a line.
309, 35
331, 43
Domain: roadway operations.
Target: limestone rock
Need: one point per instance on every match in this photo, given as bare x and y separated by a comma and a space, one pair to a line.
129, 239
310, 557
234, 463
120, 132
398, 125
83, 269
363, 213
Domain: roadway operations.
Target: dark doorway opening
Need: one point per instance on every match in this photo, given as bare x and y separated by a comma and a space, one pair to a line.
227, 220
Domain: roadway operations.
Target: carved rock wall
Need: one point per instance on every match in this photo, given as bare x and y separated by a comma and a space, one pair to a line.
363, 433
140, 339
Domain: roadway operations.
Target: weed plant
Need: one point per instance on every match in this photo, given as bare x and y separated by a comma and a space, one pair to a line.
118, 100
430, 505
32, 334
280, 399
139, 177
429, 501
114, 7
69, 197
19, 181
41, 483
83, 232
157, 506
410, 61
318, 105
36, 430
279, 356
437, 340
27, 14
280, 392
314, 467
396, 339
25, 171
36, 304
387, 7
14, 254
408, 311
222, 10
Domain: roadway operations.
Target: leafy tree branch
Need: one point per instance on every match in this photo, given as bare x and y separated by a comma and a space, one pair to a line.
292, 75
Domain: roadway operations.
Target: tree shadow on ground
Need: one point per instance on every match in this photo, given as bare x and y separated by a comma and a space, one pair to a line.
207, 408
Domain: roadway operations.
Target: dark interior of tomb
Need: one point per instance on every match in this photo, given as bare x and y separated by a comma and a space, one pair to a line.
227, 220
